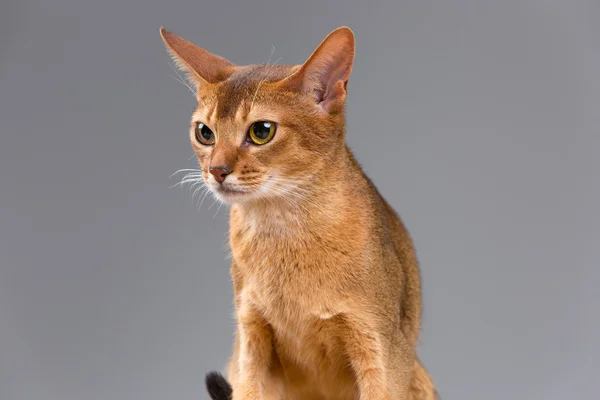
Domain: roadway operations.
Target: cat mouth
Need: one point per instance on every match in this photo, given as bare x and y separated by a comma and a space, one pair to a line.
228, 190
230, 193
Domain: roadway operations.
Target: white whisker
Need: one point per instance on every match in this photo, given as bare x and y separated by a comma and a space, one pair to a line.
185, 169
216, 199
220, 204
265, 75
187, 180
182, 80
203, 197
199, 188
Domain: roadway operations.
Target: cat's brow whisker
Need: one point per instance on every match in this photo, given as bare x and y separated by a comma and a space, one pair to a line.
182, 80
266, 74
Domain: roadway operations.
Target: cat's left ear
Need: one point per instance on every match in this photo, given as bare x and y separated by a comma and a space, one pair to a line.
325, 74
202, 66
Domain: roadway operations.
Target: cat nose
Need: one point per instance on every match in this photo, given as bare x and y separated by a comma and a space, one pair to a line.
220, 172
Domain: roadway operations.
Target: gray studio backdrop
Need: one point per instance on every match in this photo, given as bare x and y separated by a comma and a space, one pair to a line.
478, 120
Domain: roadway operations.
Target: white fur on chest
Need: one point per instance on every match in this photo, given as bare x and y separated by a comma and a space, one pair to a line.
276, 222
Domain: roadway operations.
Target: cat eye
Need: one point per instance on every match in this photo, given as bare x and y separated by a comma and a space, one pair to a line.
204, 135
261, 132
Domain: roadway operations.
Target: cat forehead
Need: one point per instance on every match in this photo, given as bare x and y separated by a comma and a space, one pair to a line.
253, 74
245, 85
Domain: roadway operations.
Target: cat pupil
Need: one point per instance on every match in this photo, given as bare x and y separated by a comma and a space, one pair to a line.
206, 133
262, 130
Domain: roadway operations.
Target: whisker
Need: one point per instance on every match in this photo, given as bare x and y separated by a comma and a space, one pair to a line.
203, 197
200, 187
300, 194
220, 204
192, 175
185, 169
287, 195
257, 187
181, 183
182, 80
188, 180
216, 199
296, 184
205, 191
265, 75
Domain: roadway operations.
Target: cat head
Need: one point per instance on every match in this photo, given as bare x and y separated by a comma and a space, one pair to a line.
262, 132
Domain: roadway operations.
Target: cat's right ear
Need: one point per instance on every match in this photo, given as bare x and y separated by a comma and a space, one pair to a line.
324, 76
201, 66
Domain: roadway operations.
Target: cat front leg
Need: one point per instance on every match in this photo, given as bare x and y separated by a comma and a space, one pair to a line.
367, 350
254, 356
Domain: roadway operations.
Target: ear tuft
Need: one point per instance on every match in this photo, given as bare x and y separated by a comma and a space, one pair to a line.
325, 74
203, 66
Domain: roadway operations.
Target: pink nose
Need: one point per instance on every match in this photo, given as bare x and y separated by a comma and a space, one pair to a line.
220, 172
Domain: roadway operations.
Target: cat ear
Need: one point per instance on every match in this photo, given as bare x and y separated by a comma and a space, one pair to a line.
201, 65
325, 74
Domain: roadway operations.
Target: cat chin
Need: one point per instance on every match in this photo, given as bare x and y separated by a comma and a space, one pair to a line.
233, 196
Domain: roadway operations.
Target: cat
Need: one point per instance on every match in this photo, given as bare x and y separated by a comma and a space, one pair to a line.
327, 289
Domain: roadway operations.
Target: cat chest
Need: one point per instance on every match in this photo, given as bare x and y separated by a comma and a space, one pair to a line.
288, 288
285, 295
302, 278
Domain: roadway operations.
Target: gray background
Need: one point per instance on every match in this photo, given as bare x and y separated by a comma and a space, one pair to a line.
478, 120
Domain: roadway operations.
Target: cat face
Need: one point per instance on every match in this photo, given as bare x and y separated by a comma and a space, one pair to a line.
257, 142
265, 132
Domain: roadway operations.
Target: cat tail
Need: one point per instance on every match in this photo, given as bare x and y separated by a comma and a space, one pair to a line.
219, 389
217, 386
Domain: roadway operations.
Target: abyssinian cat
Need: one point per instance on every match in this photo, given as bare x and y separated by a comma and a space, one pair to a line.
326, 281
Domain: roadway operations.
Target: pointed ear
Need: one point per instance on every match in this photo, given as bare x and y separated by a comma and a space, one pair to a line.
325, 74
201, 65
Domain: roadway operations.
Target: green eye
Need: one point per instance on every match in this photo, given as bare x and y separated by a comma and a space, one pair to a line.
204, 135
261, 132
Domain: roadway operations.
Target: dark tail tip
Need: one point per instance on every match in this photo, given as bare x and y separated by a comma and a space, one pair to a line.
217, 386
